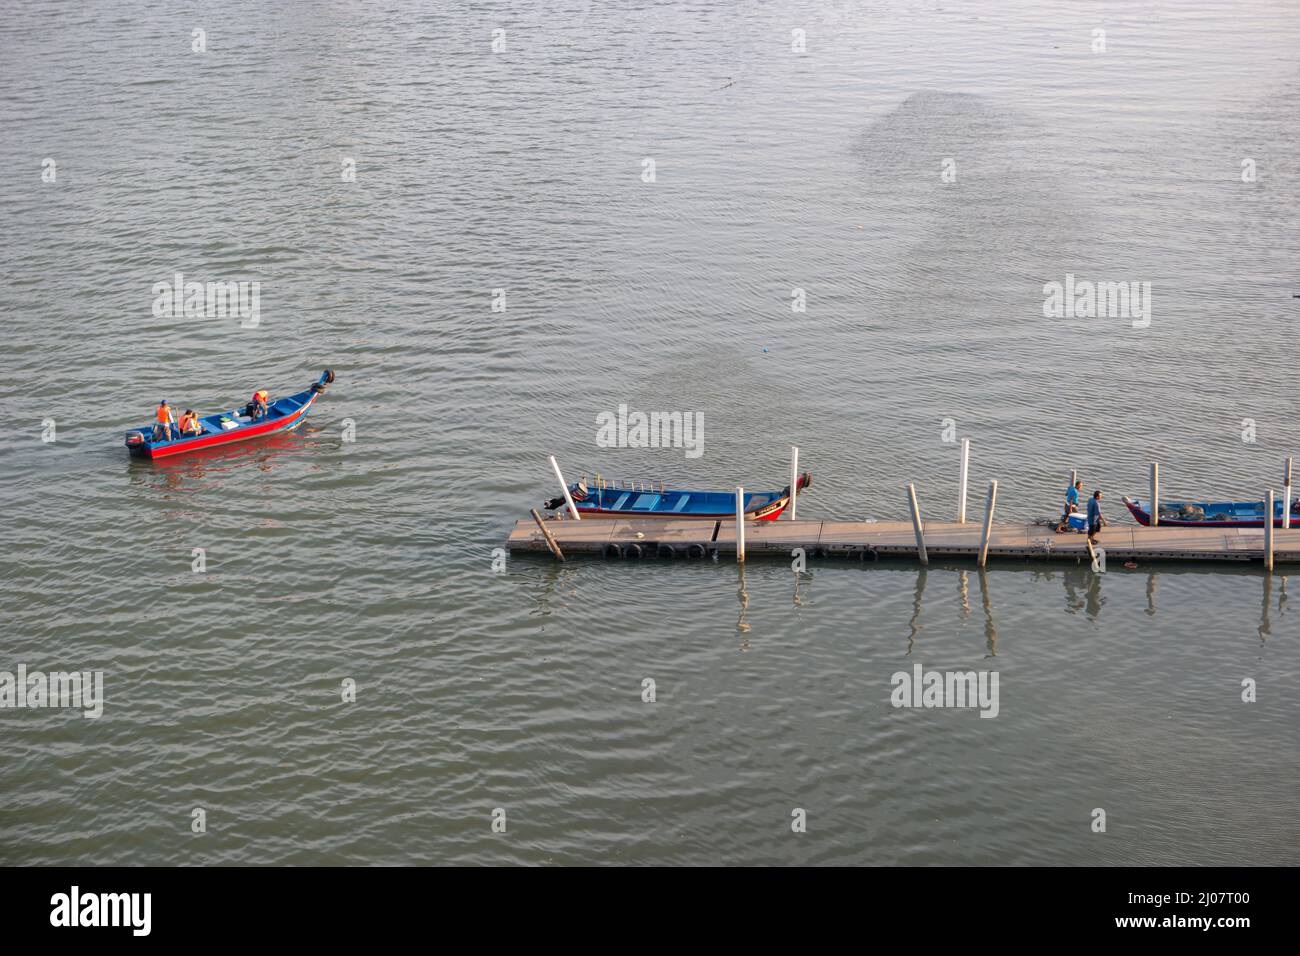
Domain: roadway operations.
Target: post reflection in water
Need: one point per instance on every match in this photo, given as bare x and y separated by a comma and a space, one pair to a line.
1265, 627
554, 578
742, 593
1265, 622
990, 629
914, 625
963, 588
1151, 594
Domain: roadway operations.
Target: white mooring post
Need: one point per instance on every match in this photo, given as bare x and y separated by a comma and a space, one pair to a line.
740, 524
961, 480
1268, 532
794, 478
565, 488
1155, 493
1286, 495
916, 524
987, 533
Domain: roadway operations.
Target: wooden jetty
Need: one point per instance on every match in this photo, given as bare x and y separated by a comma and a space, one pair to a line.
917, 539
870, 540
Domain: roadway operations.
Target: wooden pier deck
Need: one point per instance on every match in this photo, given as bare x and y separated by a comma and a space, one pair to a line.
658, 537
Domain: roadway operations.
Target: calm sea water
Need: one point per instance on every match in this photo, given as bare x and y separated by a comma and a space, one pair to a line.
522, 170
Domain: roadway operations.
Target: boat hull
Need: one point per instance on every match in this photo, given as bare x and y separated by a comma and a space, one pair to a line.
767, 513
645, 502
1143, 517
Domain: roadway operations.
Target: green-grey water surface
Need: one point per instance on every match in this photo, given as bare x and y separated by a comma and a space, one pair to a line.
521, 169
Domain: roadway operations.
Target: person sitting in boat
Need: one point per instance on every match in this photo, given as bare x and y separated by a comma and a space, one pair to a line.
189, 423
163, 422
260, 404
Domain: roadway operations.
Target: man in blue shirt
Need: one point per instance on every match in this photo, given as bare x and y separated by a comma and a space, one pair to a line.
1071, 505
1095, 519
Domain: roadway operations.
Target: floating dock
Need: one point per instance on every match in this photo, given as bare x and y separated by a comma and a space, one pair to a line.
872, 540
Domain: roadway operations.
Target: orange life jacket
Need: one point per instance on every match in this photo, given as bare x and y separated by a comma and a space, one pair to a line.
164, 414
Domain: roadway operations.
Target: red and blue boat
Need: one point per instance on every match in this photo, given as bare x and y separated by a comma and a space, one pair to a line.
1212, 514
648, 499
226, 428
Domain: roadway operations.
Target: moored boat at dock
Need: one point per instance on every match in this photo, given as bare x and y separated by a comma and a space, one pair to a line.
648, 499
1211, 514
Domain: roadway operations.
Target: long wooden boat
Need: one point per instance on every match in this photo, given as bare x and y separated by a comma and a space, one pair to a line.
645, 499
225, 428
1212, 514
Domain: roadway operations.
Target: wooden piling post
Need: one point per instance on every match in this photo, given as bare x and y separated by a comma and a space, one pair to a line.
1268, 532
916, 524
546, 533
963, 474
565, 488
1155, 493
794, 479
1286, 495
740, 524
988, 523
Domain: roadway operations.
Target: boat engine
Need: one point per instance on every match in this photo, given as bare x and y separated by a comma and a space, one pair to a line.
326, 378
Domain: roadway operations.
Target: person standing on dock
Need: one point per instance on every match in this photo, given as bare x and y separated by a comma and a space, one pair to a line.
1095, 518
1071, 504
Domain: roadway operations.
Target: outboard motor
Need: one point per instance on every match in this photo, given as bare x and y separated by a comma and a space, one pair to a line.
578, 491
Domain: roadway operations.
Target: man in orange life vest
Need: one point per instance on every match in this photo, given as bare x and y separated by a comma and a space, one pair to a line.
163, 421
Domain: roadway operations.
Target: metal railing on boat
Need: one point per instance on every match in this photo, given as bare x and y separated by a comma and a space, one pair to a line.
627, 484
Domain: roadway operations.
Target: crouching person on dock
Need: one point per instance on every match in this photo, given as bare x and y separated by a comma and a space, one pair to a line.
1071, 506
1095, 519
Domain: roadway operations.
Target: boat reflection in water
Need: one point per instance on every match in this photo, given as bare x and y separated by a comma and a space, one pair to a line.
211, 464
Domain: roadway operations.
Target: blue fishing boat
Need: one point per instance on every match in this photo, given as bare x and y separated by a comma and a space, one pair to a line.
282, 415
1212, 514
649, 499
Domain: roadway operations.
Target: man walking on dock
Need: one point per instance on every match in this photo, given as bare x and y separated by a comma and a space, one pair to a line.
1095, 519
